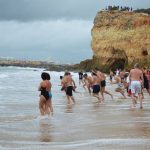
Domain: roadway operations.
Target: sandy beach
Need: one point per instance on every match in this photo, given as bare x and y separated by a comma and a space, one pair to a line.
74, 39
86, 125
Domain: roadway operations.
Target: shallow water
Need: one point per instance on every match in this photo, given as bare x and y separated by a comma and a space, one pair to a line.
86, 125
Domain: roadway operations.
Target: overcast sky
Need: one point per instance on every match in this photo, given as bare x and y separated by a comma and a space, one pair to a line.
51, 30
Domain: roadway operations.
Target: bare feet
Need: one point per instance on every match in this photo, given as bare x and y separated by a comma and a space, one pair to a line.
133, 107
100, 100
112, 97
141, 107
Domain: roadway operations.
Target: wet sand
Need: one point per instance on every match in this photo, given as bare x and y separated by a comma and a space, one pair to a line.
86, 125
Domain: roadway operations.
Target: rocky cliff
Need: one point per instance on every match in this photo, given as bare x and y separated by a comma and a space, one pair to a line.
119, 39
38, 64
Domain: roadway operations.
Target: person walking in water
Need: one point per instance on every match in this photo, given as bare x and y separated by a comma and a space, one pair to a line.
49, 101
44, 96
120, 85
80, 77
136, 79
102, 78
111, 74
146, 83
87, 82
96, 87
70, 86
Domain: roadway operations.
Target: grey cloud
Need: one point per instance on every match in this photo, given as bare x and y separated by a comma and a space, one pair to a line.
60, 41
27, 10
56, 30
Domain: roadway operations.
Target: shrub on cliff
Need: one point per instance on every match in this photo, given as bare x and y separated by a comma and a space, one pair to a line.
143, 11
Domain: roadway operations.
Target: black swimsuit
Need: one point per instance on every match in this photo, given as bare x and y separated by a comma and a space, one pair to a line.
45, 93
103, 83
69, 90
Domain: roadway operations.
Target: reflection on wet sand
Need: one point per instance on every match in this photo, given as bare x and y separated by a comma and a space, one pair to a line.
87, 125
45, 132
69, 108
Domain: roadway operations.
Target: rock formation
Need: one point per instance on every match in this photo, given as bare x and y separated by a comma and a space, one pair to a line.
51, 66
119, 39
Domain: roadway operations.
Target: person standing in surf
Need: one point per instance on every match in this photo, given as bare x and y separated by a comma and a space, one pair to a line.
44, 96
137, 82
49, 106
96, 87
70, 86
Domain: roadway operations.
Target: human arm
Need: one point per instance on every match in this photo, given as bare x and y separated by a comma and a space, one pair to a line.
74, 84
142, 79
116, 80
39, 88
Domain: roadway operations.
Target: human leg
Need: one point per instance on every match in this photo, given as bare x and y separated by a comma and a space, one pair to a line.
141, 101
42, 105
48, 109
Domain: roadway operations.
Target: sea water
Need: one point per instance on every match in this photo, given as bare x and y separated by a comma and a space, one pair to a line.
84, 126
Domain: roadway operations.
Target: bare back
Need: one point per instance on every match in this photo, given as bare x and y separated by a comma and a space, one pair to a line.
69, 81
103, 77
100, 75
96, 80
136, 75
49, 85
89, 79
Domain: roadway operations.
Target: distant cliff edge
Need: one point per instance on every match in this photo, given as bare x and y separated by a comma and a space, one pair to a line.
119, 39
38, 64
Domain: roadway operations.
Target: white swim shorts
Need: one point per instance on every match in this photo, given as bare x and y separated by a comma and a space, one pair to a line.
136, 87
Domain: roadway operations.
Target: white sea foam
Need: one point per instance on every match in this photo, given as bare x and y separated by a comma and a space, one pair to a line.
95, 144
3, 75
88, 126
25, 68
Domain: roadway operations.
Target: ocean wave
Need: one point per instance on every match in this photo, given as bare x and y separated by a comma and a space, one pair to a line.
24, 68
21, 68
95, 144
3, 75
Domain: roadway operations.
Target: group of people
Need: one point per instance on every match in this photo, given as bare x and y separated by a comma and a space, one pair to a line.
133, 82
96, 84
121, 8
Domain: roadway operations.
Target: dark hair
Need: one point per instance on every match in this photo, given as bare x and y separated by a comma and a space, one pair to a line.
48, 76
66, 73
44, 75
94, 74
61, 77
85, 75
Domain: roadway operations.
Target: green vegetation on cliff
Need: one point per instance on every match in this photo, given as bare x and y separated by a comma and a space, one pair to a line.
143, 11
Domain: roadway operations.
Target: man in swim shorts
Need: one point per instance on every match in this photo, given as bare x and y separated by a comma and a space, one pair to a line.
70, 86
96, 87
136, 79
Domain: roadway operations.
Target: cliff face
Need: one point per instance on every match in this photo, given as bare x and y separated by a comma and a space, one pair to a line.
120, 39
